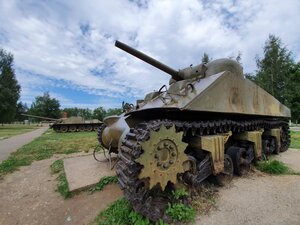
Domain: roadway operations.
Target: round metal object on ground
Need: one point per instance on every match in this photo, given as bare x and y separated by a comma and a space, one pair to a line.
241, 164
63, 129
81, 128
163, 157
72, 128
88, 128
226, 176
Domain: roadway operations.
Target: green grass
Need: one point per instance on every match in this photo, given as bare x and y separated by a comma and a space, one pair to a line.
180, 193
103, 182
46, 146
117, 213
181, 213
57, 166
273, 167
62, 185
295, 139
9, 130
121, 212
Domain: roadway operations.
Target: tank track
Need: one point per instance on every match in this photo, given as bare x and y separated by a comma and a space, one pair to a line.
99, 134
151, 205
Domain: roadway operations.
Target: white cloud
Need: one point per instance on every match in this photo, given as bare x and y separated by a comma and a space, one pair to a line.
71, 43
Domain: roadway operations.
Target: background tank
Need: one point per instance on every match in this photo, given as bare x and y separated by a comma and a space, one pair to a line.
210, 121
71, 124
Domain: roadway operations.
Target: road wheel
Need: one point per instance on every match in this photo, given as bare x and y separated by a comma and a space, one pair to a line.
226, 176
72, 128
240, 161
63, 129
88, 128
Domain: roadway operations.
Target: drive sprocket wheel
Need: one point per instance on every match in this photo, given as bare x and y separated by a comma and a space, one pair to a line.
163, 157
146, 183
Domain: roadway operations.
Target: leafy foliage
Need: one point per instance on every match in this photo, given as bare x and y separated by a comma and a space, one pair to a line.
114, 111
117, 213
205, 58
137, 219
99, 113
121, 212
45, 106
273, 167
22, 108
279, 75
103, 182
274, 69
180, 193
9, 88
180, 212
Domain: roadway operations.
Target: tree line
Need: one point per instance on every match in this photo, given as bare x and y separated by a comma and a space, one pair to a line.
276, 72
46, 106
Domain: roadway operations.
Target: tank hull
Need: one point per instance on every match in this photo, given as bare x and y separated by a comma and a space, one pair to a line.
220, 93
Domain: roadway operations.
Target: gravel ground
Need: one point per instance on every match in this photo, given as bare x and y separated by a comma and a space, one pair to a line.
260, 199
257, 200
28, 197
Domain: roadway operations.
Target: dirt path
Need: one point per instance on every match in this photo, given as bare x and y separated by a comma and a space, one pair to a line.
12, 144
28, 197
260, 199
257, 200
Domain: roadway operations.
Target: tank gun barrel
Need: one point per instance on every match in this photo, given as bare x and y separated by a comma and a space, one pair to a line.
40, 117
148, 59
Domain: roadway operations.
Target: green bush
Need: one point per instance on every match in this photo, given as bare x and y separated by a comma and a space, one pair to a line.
180, 212
180, 193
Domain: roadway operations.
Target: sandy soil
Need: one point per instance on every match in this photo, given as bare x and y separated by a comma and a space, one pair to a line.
260, 199
28, 197
257, 200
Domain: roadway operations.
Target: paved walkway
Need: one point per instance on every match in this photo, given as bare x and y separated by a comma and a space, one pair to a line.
12, 144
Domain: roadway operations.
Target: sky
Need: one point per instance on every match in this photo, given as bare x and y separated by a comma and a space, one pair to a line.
67, 47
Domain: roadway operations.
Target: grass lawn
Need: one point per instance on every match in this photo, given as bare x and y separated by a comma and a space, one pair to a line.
46, 146
8, 130
295, 139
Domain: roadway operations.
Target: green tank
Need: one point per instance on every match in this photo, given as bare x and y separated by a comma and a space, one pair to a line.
70, 124
209, 121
